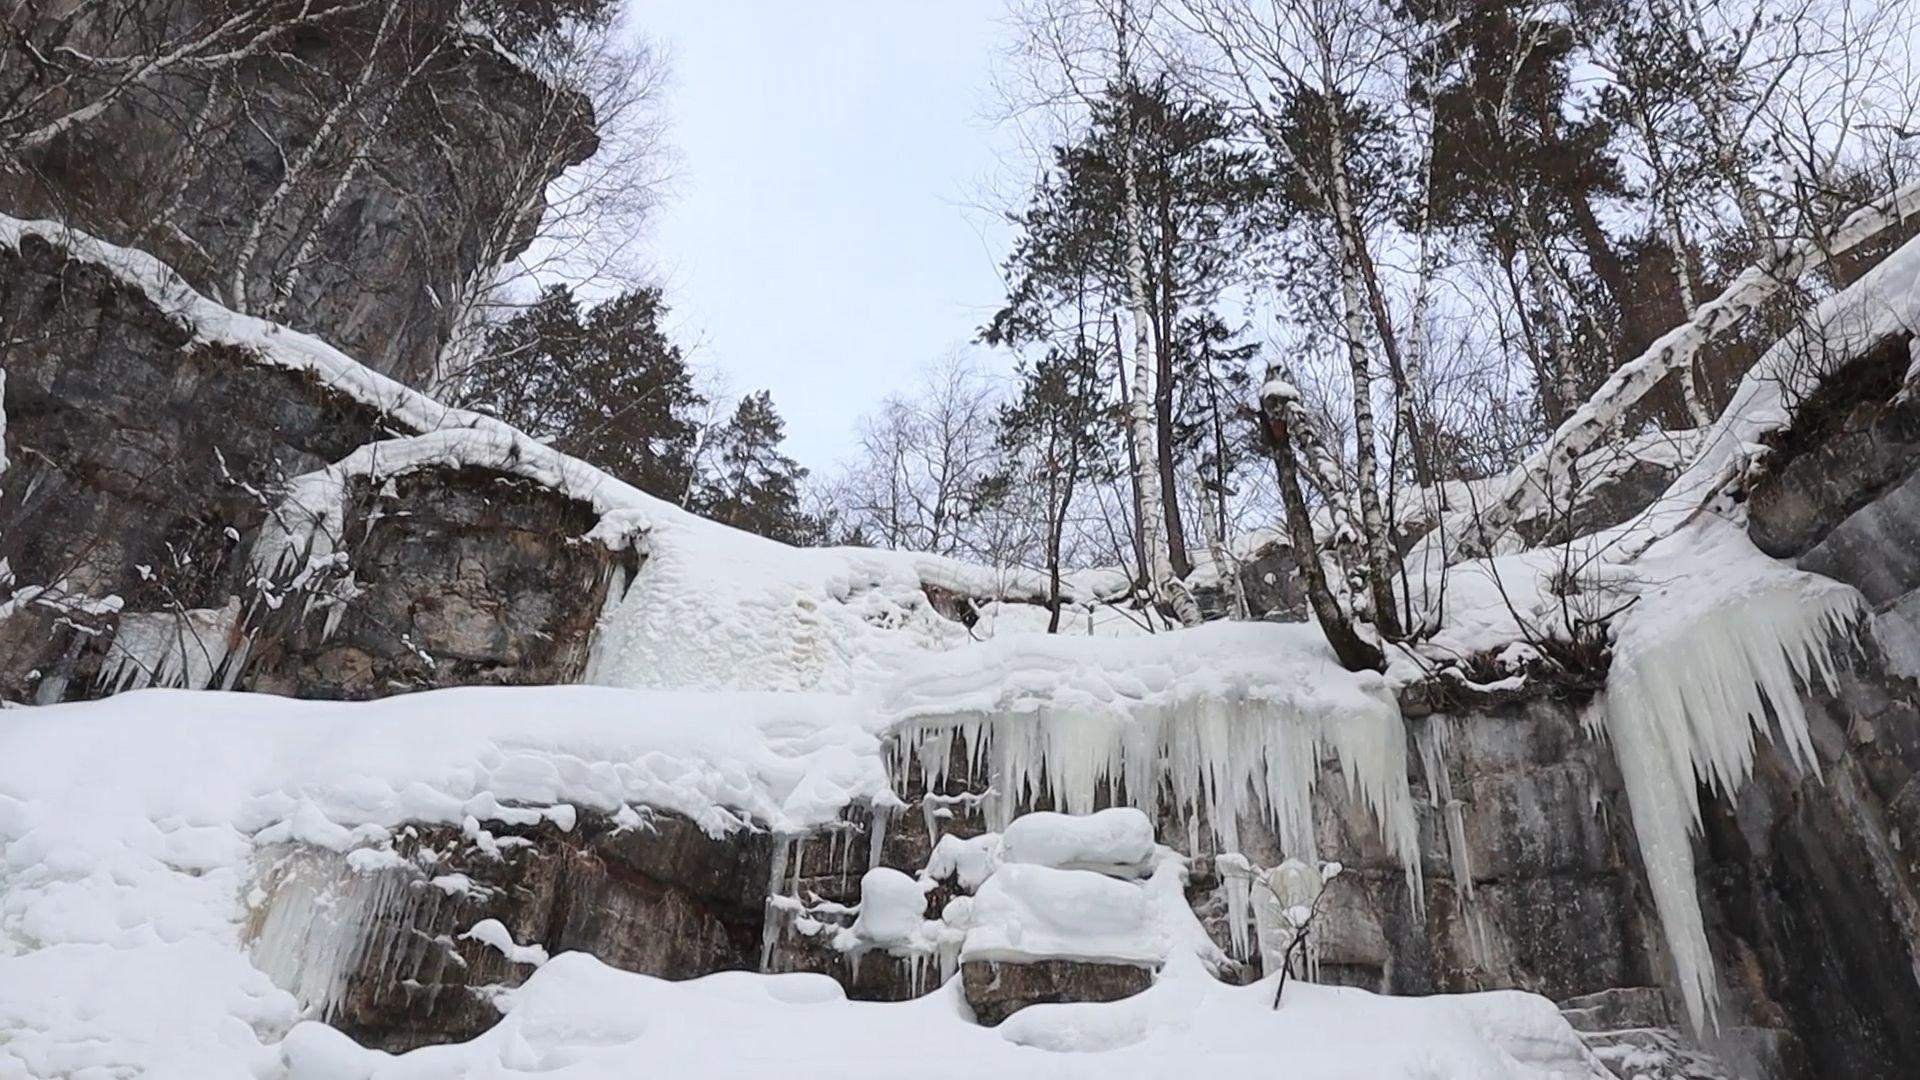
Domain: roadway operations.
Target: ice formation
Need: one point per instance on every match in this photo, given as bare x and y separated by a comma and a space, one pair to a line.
1435, 735
173, 649
1728, 639
1266, 907
1232, 719
319, 919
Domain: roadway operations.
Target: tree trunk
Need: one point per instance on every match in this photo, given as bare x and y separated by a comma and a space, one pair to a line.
1163, 584
1133, 457
1354, 652
1165, 343
1372, 525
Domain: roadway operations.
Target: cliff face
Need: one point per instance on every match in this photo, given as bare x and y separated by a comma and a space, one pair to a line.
145, 462
357, 170
350, 177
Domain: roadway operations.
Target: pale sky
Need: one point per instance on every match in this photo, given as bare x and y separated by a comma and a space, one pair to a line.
824, 241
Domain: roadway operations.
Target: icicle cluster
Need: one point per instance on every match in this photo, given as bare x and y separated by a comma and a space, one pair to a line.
1433, 738
328, 921
1221, 759
1697, 670
174, 649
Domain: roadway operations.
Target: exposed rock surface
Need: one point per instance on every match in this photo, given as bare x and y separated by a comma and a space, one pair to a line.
144, 461
997, 991
448, 185
655, 895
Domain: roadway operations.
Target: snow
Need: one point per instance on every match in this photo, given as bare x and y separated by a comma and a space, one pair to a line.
123, 899
580, 1019
1025, 913
494, 934
1233, 718
892, 907
1118, 840
965, 862
1882, 302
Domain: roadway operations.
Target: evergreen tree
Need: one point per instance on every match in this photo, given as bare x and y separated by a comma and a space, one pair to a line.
753, 486
1521, 163
1052, 435
602, 383
1200, 194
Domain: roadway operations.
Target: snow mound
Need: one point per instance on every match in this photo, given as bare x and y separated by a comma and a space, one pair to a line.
1026, 913
1118, 840
578, 1018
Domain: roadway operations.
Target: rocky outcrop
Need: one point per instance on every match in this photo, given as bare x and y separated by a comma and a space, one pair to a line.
997, 991
428, 178
1810, 885
145, 461
1841, 497
390, 953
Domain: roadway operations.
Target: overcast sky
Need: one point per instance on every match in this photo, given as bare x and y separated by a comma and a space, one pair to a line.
824, 240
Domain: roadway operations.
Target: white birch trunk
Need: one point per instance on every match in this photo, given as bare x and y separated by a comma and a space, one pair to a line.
1161, 581
270, 209
1550, 467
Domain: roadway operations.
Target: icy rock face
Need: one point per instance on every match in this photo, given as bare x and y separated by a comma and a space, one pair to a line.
1842, 498
412, 950
384, 274
1813, 879
156, 464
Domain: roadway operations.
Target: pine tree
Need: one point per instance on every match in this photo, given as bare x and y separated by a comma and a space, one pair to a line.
603, 384
1052, 435
753, 486
1195, 194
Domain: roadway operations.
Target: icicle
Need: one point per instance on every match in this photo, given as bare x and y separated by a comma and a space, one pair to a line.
772, 919
1694, 674
1217, 758
1236, 880
325, 922
877, 835
169, 649
1435, 734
